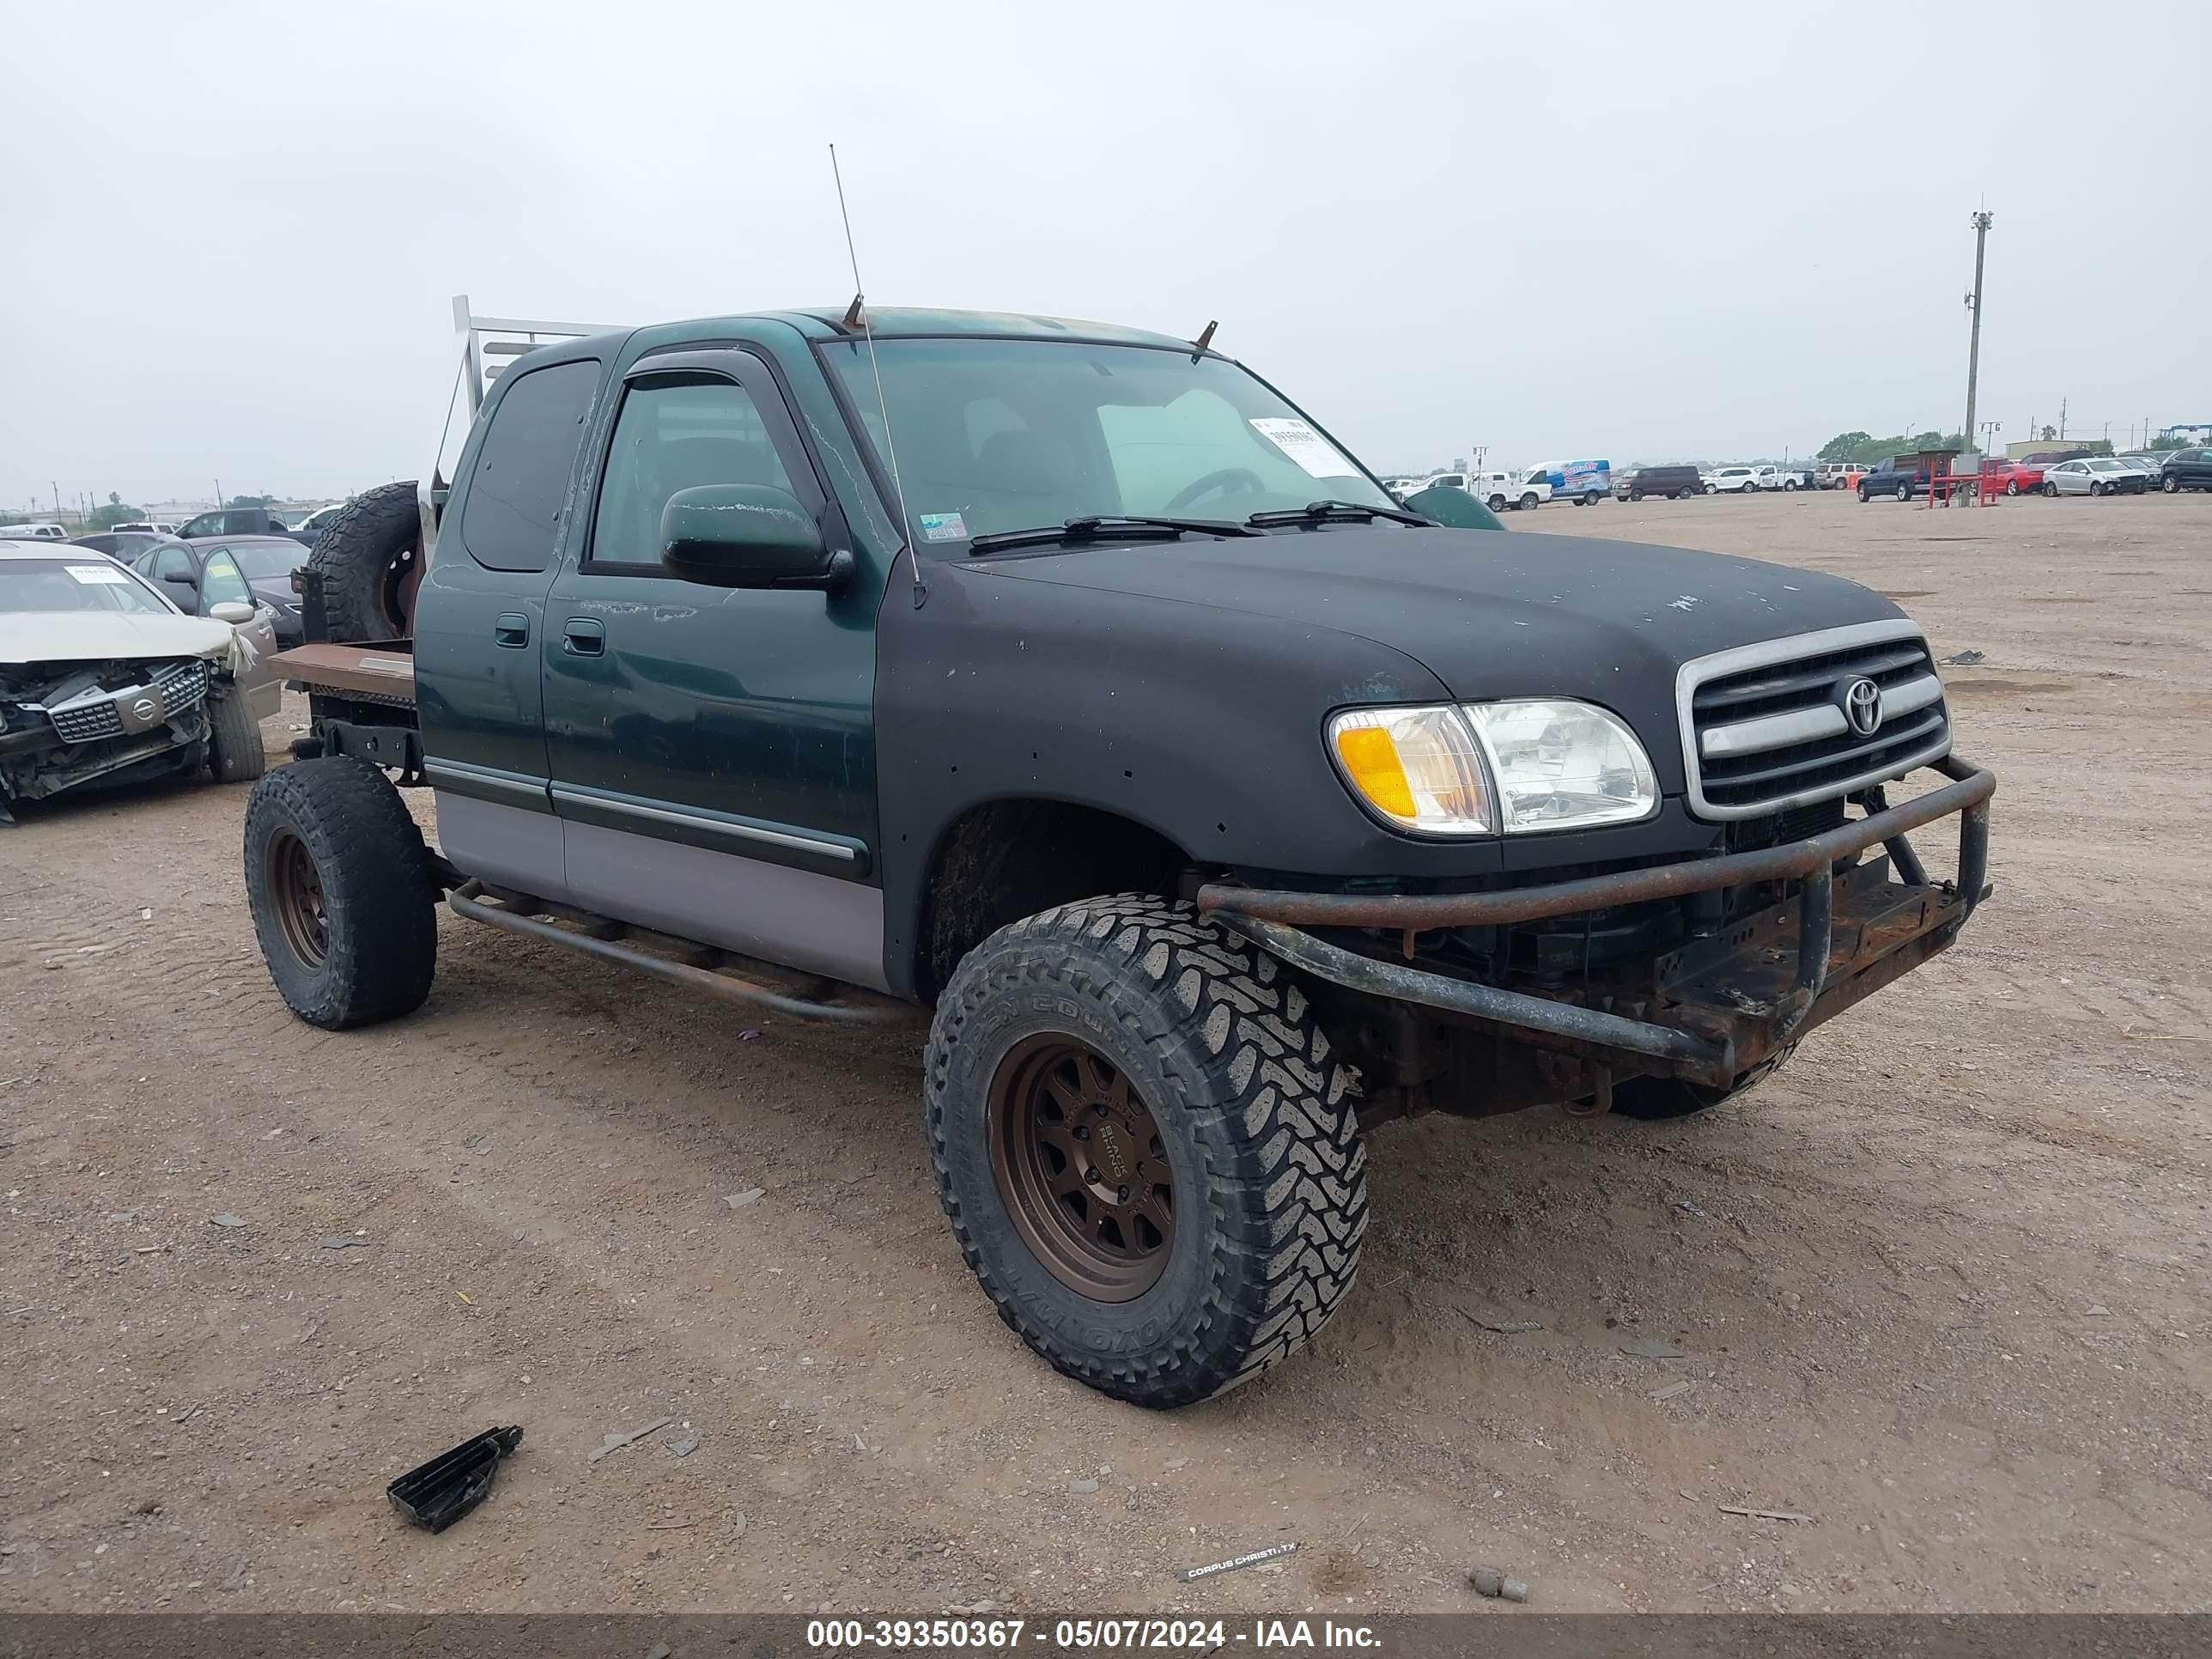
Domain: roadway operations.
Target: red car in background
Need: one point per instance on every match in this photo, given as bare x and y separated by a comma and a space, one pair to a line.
2015, 477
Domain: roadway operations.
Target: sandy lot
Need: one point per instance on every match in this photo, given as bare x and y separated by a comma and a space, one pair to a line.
1940, 1284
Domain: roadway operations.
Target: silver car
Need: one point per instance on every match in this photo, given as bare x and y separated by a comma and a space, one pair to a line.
2093, 475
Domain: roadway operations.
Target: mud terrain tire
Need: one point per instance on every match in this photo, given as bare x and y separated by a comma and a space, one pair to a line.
371, 560
344, 903
1243, 1102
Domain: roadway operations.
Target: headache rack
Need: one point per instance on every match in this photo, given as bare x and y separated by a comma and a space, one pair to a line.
488, 345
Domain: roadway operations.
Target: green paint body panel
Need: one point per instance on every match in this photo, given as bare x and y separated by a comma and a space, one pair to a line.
727, 720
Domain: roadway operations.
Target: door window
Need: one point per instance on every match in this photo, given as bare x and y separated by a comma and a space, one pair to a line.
520, 480
220, 580
671, 437
173, 564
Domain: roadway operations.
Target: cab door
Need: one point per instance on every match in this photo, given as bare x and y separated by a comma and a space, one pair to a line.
711, 750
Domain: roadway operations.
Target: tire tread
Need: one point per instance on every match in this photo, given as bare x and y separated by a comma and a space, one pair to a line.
1289, 1203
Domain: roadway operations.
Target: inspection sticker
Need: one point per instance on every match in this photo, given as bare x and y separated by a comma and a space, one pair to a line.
944, 527
1314, 454
98, 575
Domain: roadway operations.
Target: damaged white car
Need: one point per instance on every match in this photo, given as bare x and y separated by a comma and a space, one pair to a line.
103, 680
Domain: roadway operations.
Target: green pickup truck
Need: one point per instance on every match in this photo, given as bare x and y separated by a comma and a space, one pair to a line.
1071, 682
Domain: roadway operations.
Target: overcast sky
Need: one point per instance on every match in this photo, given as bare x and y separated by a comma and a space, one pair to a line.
233, 229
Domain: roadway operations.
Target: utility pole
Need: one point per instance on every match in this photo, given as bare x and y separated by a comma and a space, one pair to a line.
2061, 420
1974, 304
55, 486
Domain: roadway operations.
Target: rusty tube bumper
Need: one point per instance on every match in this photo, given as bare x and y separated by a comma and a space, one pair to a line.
1718, 1007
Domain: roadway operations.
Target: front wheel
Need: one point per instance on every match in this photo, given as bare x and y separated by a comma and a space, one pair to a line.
1147, 1147
2171, 483
1635, 495
2097, 487
234, 752
1712, 489
339, 883
2012, 486
1528, 503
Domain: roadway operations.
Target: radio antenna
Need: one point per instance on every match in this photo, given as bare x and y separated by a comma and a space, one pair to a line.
860, 308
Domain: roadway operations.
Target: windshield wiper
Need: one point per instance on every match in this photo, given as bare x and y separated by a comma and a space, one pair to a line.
1099, 527
1336, 512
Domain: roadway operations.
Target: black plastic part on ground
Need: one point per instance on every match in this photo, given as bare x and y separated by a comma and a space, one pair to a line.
453, 1483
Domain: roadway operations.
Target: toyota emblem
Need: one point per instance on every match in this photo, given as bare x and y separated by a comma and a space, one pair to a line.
1862, 706
145, 708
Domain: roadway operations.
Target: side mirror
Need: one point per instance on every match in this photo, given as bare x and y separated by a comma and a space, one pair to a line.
232, 612
746, 536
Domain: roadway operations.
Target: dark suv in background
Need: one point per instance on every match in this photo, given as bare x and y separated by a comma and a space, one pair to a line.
1679, 482
2185, 469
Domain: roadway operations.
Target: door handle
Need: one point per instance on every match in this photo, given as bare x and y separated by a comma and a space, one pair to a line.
510, 631
584, 638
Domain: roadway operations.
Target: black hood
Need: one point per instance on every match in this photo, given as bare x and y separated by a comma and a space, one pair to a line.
1491, 615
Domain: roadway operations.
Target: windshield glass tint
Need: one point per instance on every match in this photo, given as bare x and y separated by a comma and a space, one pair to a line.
1014, 434
270, 560
86, 584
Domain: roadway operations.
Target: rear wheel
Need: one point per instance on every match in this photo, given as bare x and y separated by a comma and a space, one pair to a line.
1146, 1146
1862, 493
1790, 483
339, 881
371, 560
2051, 490
234, 752
1498, 503
1653, 1099
1904, 492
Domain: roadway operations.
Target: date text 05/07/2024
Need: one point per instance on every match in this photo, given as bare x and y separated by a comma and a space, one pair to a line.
1000, 1635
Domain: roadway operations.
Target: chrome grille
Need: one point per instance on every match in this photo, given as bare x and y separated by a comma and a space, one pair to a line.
88, 722
1767, 727
97, 715
181, 684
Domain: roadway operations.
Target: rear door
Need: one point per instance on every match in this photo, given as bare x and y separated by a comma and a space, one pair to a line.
713, 749
479, 620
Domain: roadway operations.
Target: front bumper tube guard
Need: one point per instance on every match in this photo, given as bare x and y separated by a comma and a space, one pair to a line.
1275, 920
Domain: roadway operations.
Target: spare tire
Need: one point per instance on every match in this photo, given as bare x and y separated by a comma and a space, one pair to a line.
370, 558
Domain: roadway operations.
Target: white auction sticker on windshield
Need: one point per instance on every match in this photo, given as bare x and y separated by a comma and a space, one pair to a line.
1318, 457
98, 575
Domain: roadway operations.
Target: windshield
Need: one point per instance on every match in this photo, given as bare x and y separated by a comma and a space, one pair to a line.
264, 561
1014, 434
50, 585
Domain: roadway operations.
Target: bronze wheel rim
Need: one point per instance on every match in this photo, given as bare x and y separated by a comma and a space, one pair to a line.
296, 887
1081, 1167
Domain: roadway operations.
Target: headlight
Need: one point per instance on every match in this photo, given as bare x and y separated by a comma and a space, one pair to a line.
1518, 766
1416, 767
1562, 765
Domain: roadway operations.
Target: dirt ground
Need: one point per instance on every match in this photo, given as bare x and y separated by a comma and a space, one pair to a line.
1940, 1284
